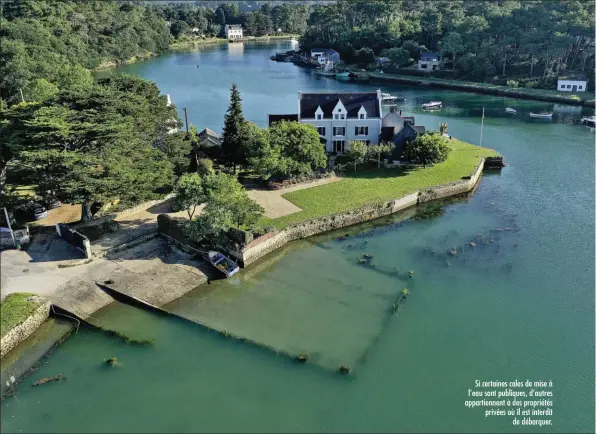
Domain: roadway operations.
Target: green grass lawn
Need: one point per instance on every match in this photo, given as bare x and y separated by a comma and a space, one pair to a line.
14, 310
379, 185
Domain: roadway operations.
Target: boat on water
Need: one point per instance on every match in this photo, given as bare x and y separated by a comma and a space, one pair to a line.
541, 115
432, 105
510, 110
589, 121
388, 99
342, 75
324, 73
223, 263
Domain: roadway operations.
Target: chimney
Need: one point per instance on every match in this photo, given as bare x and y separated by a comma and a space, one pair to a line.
400, 112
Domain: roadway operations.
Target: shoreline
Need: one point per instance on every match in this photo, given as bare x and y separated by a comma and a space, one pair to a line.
483, 88
184, 45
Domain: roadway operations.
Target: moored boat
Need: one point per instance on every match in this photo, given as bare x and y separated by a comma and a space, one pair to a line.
510, 110
342, 75
223, 263
324, 73
589, 121
388, 99
432, 105
541, 115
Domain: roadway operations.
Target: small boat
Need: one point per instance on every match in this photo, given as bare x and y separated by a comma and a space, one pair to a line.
541, 115
342, 75
432, 105
510, 110
222, 263
589, 121
324, 73
388, 99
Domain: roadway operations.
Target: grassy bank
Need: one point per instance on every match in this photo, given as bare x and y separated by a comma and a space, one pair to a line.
552, 95
197, 42
379, 185
14, 310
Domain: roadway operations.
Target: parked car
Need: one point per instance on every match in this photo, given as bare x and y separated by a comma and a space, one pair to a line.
52, 202
31, 211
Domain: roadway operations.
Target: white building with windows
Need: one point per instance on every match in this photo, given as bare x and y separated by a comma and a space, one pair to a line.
571, 84
234, 31
342, 117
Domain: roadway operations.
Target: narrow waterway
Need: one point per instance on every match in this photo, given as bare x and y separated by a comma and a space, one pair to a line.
518, 307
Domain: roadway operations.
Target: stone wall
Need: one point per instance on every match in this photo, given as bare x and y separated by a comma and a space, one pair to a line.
264, 245
21, 332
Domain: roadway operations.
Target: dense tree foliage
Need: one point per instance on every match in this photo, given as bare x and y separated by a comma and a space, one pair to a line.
51, 44
190, 193
427, 149
198, 20
107, 142
482, 39
285, 149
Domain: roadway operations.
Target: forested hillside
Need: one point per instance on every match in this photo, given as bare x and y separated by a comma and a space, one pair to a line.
508, 38
50, 44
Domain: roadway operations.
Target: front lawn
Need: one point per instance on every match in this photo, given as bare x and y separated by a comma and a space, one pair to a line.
14, 310
379, 185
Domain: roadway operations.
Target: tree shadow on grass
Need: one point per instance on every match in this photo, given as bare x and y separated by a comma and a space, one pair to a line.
377, 173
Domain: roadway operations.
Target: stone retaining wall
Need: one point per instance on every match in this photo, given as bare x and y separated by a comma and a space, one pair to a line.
21, 332
264, 245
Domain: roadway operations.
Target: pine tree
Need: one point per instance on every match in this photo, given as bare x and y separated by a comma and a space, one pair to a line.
232, 137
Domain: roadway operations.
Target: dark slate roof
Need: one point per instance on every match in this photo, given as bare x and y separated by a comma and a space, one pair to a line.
419, 128
331, 52
393, 120
429, 56
279, 118
209, 137
573, 78
352, 101
318, 49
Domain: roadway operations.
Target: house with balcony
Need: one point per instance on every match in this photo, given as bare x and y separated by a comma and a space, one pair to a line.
233, 31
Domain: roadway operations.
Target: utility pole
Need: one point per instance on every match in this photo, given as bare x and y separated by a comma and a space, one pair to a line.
186, 119
22, 98
481, 127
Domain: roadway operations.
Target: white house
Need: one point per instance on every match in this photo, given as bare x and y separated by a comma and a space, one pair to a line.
342, 117
234, 31
568, 84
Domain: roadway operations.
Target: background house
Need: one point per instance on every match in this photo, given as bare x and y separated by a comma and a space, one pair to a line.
429, 62
209, 138
572, 84
399, 130
234, 31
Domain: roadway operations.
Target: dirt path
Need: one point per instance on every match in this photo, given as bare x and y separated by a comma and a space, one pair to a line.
275, 205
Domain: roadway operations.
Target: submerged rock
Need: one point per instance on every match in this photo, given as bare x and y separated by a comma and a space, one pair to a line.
302, 357
345, 369
112, 361
58, 377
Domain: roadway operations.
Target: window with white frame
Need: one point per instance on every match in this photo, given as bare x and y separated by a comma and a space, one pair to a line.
321, 131
319, 117
361, 131
339, 145
339, 131
361, 116
580, 87
336, 116
342, 116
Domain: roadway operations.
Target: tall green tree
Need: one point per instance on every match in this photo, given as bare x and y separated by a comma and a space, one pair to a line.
233, 149
356, 151
427, 149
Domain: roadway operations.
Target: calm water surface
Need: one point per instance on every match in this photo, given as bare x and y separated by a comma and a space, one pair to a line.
521, 307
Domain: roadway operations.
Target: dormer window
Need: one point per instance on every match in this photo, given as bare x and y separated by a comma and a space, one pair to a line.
339, 112
361, 113
319, 113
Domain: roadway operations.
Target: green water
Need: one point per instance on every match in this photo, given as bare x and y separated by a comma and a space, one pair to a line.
520, 307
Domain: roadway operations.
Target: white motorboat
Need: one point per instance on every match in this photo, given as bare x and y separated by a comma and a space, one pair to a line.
589, 121
432, 105
541, 115
388, 99
223, 263
510, 110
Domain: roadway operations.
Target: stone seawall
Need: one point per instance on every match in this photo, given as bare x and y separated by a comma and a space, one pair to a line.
267, 244
21, 332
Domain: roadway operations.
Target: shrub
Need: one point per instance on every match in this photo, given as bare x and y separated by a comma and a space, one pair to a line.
531, 84
427, 149
512, 83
